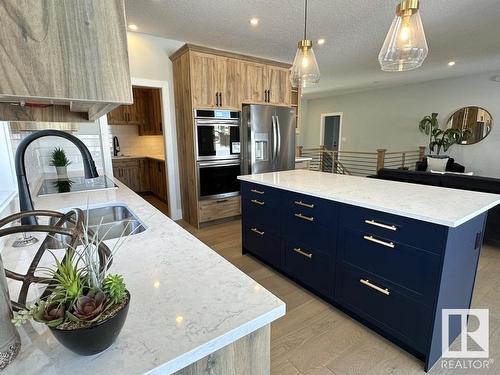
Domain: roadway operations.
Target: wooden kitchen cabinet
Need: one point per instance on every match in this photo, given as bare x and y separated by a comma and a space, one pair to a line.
263, 83
158, 178
145, 112
128, 171
132, 114
203, 80
153, 119
215, 81
253, 82
142, 175
278, 85
67, 61
229, 83
211, 79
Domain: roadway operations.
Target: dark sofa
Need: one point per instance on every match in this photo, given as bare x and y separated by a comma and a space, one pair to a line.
454, 181
451, 166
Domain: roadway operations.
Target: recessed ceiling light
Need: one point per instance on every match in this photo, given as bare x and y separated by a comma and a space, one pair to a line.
133, 27
451, 63
321, 42
254, 21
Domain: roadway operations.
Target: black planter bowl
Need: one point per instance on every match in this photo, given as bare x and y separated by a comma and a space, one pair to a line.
94, 339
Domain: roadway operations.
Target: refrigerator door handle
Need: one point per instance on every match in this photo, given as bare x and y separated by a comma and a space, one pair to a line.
275, 139
278, 150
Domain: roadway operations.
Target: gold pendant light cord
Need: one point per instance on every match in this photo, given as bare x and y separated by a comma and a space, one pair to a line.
305, 21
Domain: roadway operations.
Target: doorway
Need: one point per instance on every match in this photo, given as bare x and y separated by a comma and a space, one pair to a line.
155, 140
330, 130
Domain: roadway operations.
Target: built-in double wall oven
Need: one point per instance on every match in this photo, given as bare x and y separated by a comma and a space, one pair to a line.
217, 134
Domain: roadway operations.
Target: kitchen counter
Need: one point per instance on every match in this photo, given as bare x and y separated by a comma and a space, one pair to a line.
392, 255
187, 301
125, 157
414, 201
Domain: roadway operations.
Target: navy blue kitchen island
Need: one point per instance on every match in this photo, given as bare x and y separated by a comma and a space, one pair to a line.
378, 250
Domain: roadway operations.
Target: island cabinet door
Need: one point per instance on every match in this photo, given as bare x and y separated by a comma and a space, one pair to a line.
258, 241
310, 220
261, 205
385, 306
311, 267
414, 269
416, 233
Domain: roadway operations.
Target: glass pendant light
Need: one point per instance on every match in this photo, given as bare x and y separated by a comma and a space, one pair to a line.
304, 71
405, 47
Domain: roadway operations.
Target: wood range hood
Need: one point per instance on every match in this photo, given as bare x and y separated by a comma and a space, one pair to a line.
62, 61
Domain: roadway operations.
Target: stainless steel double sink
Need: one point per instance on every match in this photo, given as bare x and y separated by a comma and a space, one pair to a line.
110, 222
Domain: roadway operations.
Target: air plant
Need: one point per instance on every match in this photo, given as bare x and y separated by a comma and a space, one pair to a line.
79, 288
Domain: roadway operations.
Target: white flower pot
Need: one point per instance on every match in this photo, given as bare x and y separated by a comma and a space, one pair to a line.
62, 172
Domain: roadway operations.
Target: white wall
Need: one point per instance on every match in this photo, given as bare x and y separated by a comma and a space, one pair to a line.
149, 60
388, 118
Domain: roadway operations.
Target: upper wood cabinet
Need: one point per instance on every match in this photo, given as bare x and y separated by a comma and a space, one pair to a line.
253, 82
203, 80
263, 83
145, 112
153, 120
215, 81
132, 114
278, 85
229, 82
62, 61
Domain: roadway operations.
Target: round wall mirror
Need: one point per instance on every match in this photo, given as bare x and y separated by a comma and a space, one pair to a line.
476, 120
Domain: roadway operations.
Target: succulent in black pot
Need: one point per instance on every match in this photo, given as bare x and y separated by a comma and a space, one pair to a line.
84, 307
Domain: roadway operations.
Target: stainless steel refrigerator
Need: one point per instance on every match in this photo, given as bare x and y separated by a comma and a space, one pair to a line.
267, 138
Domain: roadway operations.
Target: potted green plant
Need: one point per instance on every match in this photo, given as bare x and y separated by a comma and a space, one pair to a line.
441, 139
59, 160
84, 306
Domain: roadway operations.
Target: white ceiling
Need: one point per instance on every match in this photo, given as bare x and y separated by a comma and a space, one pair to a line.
466, 31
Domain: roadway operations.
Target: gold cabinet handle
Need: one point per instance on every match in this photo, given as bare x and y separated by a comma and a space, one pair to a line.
300, 203
255, 230
380, 242
377, 288
258, 202
257, 191
303, 217
302, 252
385, 226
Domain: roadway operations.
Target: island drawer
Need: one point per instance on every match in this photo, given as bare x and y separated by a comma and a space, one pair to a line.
262, 209
261, 192
374, 300
412, 232
312, 267
321, 211
406, 266
310, 220
262, 244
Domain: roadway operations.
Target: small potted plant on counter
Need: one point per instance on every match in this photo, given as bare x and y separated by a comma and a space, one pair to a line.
84, 306
59, 160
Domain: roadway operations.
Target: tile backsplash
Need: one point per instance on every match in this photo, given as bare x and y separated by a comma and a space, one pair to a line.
133, 144
37, 157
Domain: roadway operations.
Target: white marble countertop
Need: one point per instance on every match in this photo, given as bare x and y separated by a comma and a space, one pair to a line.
125, 157
448, 207
187, 301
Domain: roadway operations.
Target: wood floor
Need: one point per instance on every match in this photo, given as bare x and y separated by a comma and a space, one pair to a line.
314, 338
